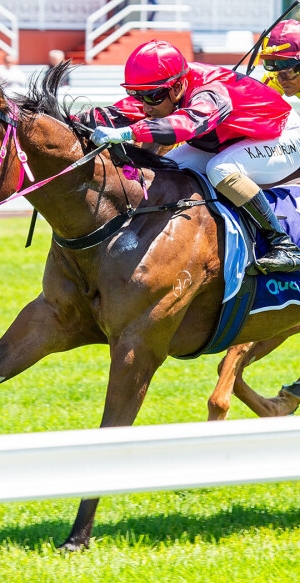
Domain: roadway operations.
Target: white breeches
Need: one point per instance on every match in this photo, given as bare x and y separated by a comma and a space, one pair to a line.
264, 161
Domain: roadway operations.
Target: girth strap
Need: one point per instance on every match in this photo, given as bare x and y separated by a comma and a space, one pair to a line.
94, 238
114, 225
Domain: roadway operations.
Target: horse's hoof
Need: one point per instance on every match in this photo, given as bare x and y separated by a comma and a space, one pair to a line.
292, 413
72, 546
293, 390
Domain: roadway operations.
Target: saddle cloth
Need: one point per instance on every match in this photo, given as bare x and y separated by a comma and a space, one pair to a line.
244, 295
276, 290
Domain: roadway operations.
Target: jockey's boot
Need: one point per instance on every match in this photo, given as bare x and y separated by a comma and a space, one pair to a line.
284, 255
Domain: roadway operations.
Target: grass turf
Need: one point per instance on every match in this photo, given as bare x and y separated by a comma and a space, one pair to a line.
243, 534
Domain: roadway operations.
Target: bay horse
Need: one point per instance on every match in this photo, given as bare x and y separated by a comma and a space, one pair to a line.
143, 276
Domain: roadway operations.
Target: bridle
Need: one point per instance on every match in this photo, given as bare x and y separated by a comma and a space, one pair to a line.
100, 234
12, 127
12, 123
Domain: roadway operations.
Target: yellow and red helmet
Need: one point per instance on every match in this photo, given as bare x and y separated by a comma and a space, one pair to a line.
283, 42
154, 65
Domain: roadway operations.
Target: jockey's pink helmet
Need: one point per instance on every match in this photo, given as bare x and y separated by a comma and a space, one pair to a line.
153, 65
284, 41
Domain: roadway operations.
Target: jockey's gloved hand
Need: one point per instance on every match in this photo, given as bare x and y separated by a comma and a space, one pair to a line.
103, 135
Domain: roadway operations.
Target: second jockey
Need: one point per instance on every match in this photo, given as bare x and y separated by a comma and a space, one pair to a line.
280, 56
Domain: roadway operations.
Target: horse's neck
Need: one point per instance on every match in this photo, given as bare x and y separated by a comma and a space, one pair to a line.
84, 198
52, 148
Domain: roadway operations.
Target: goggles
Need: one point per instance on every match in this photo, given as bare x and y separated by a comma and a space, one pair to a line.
280, 65
287, 74
154, 97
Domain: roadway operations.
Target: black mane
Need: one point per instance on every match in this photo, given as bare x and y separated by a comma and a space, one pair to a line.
42, 98
42, 93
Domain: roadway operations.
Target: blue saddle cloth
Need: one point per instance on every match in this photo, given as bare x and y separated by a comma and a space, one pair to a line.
244, 295
273, 291
277, 290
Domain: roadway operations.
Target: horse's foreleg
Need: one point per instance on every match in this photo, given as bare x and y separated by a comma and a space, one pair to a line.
130, 373
80, 534
37, 331
219, 401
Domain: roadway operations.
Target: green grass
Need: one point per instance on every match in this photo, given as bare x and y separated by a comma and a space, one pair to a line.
243, 534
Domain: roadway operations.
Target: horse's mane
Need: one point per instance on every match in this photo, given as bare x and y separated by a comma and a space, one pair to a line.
42, 97
42, 93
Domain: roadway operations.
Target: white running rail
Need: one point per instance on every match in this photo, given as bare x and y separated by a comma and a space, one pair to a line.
161, 457
94, 32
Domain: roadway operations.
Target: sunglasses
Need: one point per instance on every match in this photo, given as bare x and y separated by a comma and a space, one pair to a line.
154, 97
280, 65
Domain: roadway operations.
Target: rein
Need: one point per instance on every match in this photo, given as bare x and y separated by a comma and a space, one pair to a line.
114, 225
37, 185
12, 123
12, 127
110, 227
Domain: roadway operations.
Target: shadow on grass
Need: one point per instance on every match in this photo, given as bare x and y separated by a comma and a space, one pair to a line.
151, 530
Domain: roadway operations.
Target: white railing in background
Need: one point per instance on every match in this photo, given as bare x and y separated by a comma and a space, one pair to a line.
208, 15
9, 30
217, 15
45, 15
161, 457
141, 11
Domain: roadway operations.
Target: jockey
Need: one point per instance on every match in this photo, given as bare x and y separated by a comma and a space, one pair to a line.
281, 58
236, 130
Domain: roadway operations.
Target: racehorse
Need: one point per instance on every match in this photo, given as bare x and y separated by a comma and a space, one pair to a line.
141, 275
